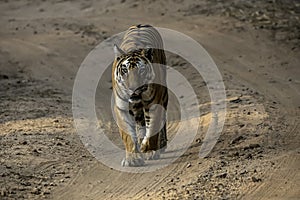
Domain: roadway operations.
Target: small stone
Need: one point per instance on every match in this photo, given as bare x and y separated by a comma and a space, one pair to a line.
59, 144
223, 175
241, 125
237, 139
24, 142
52, 184
244, 172
254, 179
46, 192
236, 100
253, 146
188, 165
35, 151
249, 156
36, 191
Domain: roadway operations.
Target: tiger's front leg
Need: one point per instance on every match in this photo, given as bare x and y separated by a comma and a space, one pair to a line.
128, 134
155, 124
133, 156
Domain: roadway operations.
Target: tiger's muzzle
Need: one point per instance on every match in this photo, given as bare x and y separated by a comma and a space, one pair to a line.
136, 97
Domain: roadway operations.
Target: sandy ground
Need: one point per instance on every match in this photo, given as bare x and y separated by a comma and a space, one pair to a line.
256, 47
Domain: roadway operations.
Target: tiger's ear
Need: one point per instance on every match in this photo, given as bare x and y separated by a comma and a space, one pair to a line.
148, 53
118, 52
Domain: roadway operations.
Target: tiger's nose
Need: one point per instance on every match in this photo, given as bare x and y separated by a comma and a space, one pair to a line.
134, 85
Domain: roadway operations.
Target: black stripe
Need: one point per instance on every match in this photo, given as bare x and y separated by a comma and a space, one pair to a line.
150, 100
143, 26
165, 95
121, 97
165, 99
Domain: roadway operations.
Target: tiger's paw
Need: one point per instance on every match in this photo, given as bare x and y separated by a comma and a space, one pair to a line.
145, 145
133, 160
152, 155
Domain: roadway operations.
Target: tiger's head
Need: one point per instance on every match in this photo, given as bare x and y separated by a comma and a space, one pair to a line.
133, 70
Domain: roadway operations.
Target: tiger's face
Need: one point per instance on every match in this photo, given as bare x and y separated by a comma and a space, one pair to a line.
134, 71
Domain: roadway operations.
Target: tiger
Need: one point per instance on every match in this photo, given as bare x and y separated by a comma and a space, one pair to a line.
140, 94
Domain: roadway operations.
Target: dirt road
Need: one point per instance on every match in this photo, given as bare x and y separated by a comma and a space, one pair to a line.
256, 48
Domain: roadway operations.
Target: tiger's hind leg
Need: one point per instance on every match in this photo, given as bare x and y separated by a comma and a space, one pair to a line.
133, 156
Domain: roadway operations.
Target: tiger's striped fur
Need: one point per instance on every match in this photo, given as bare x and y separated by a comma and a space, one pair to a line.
140, 93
